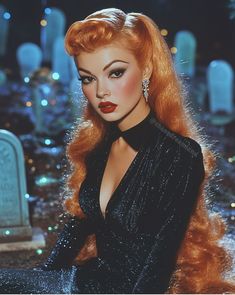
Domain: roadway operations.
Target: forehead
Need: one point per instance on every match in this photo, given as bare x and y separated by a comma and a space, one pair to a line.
104, 55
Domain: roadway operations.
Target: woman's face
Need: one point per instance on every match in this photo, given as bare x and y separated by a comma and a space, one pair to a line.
111, 74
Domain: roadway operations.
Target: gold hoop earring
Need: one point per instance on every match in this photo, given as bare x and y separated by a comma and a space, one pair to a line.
145, 87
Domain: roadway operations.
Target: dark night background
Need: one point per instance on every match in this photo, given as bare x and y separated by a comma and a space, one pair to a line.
207, 19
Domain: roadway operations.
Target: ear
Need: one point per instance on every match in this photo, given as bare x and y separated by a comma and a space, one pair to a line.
147, 70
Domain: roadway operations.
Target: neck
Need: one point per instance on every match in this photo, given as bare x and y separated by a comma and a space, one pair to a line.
136, 134
133, 118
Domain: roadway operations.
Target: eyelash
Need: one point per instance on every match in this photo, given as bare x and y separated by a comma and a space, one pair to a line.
120, 71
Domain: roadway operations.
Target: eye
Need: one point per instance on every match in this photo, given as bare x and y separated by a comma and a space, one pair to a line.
117, 73
86, 79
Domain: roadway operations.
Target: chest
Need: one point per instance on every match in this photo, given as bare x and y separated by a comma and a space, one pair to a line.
121, 187
117, 165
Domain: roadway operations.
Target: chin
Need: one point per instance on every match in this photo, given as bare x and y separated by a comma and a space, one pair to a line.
110, 117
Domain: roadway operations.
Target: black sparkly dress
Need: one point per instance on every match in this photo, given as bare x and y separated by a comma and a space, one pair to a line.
144, 224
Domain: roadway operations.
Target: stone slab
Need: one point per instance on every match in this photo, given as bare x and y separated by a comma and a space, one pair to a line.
38, 241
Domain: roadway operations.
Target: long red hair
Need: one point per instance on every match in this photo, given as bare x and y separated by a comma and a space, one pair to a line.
201, 261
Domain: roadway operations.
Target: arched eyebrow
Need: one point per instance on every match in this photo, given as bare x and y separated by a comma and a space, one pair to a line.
107, 66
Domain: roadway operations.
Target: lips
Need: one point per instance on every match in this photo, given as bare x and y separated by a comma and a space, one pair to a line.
106, 104
107, 107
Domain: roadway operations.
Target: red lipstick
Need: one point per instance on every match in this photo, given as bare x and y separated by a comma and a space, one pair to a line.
107, 107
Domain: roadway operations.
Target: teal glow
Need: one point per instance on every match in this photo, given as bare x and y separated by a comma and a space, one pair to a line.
44, 102
45, 180
47, 141
39, 251
47, 10
6, 15
55, 76
45, 88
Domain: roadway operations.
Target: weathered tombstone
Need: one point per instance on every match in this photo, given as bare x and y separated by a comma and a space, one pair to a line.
199, 93
61, 61
29, 57
48, 103
55, 27
43, 94
184, 60
39, 108
4, 28
220, 86
14, 214
3, 77
16, 232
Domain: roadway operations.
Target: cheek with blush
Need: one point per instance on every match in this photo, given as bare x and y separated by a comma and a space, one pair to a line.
128, 87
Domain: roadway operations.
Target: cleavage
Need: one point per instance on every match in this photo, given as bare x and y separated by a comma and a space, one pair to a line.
118, 164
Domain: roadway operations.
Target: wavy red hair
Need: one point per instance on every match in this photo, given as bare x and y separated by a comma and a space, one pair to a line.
201, 261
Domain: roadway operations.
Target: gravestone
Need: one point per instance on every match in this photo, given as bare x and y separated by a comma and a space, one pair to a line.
43, 94
49, 104
61, 61
39, 109
54, 28
184, 60
4, 29
220, 86
29, 57
3, 77
14, 214
16, 232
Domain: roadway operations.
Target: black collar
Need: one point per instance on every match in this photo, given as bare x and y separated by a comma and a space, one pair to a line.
136, 135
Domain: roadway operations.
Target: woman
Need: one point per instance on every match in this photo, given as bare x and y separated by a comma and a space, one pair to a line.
138, 220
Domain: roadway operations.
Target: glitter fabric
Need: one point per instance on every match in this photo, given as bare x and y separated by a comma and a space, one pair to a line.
145, 219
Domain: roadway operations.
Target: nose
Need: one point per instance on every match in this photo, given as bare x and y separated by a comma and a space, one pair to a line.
102, 90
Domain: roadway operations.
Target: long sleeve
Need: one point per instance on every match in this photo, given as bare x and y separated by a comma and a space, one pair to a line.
68, 244
179, 191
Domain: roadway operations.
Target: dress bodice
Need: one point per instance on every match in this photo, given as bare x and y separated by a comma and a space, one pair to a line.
148, 213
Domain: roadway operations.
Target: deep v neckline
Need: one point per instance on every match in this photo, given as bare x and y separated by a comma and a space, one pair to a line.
121, 182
